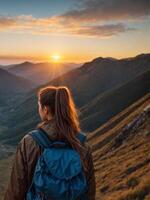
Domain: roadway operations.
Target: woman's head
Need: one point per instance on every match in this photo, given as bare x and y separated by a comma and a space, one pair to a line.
57, 102
46, 102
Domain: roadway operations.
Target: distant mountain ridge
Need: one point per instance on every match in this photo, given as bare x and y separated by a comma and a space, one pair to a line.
40, 73
10, 83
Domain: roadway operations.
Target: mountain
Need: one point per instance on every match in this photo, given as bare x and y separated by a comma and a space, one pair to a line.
102, 74
6, 67
111, 102
12, 89
10, 83
41, 73
121, 154
107, 85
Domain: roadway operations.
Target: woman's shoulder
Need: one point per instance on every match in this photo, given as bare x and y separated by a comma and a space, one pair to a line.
27, 143
27, 138
29, 148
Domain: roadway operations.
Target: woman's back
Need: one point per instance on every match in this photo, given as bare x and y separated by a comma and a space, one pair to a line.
28, 151
59, 122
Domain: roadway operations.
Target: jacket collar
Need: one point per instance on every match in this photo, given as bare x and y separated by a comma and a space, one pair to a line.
48, 126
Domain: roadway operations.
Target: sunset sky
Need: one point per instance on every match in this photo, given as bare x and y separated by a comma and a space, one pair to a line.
73, 30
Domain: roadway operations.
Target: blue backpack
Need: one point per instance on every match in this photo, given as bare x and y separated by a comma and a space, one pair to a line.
58, 173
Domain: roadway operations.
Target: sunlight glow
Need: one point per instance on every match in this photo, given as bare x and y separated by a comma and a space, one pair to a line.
56, 58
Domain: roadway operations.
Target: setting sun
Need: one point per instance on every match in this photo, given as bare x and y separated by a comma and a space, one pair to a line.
56, 57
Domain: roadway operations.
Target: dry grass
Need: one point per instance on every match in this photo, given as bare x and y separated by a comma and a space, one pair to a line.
123, 173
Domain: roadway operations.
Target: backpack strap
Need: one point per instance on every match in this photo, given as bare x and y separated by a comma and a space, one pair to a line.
43, 140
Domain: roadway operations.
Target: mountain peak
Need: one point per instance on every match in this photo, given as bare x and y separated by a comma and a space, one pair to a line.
98, 59
26, 63
103, 59
143, 55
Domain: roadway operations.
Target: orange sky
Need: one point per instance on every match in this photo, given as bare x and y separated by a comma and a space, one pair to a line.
77, 31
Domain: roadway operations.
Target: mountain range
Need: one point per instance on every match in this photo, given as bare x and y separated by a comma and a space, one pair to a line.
101, 88
40, 73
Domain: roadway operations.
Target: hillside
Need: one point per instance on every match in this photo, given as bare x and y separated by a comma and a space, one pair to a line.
40, 73
12, 89
109, 103
10, 83
121, 154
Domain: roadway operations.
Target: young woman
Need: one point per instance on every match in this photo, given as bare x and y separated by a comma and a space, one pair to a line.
59, 120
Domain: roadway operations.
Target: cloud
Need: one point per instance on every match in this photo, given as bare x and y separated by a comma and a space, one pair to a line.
102, 10
58, 26
24, 23
102, 31
91, 18
6, 22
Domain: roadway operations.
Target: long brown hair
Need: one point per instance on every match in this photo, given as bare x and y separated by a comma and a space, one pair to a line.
62, 107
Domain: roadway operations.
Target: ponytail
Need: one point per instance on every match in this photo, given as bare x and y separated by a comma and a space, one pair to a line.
65, 114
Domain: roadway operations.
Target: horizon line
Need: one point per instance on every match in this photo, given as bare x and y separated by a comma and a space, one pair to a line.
36, 61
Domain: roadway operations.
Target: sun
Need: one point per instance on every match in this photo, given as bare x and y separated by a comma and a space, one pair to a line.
56, 58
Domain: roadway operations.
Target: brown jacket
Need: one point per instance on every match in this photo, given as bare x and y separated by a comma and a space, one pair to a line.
24, 163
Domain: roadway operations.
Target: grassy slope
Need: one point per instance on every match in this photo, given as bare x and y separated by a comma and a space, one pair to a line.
122, 172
